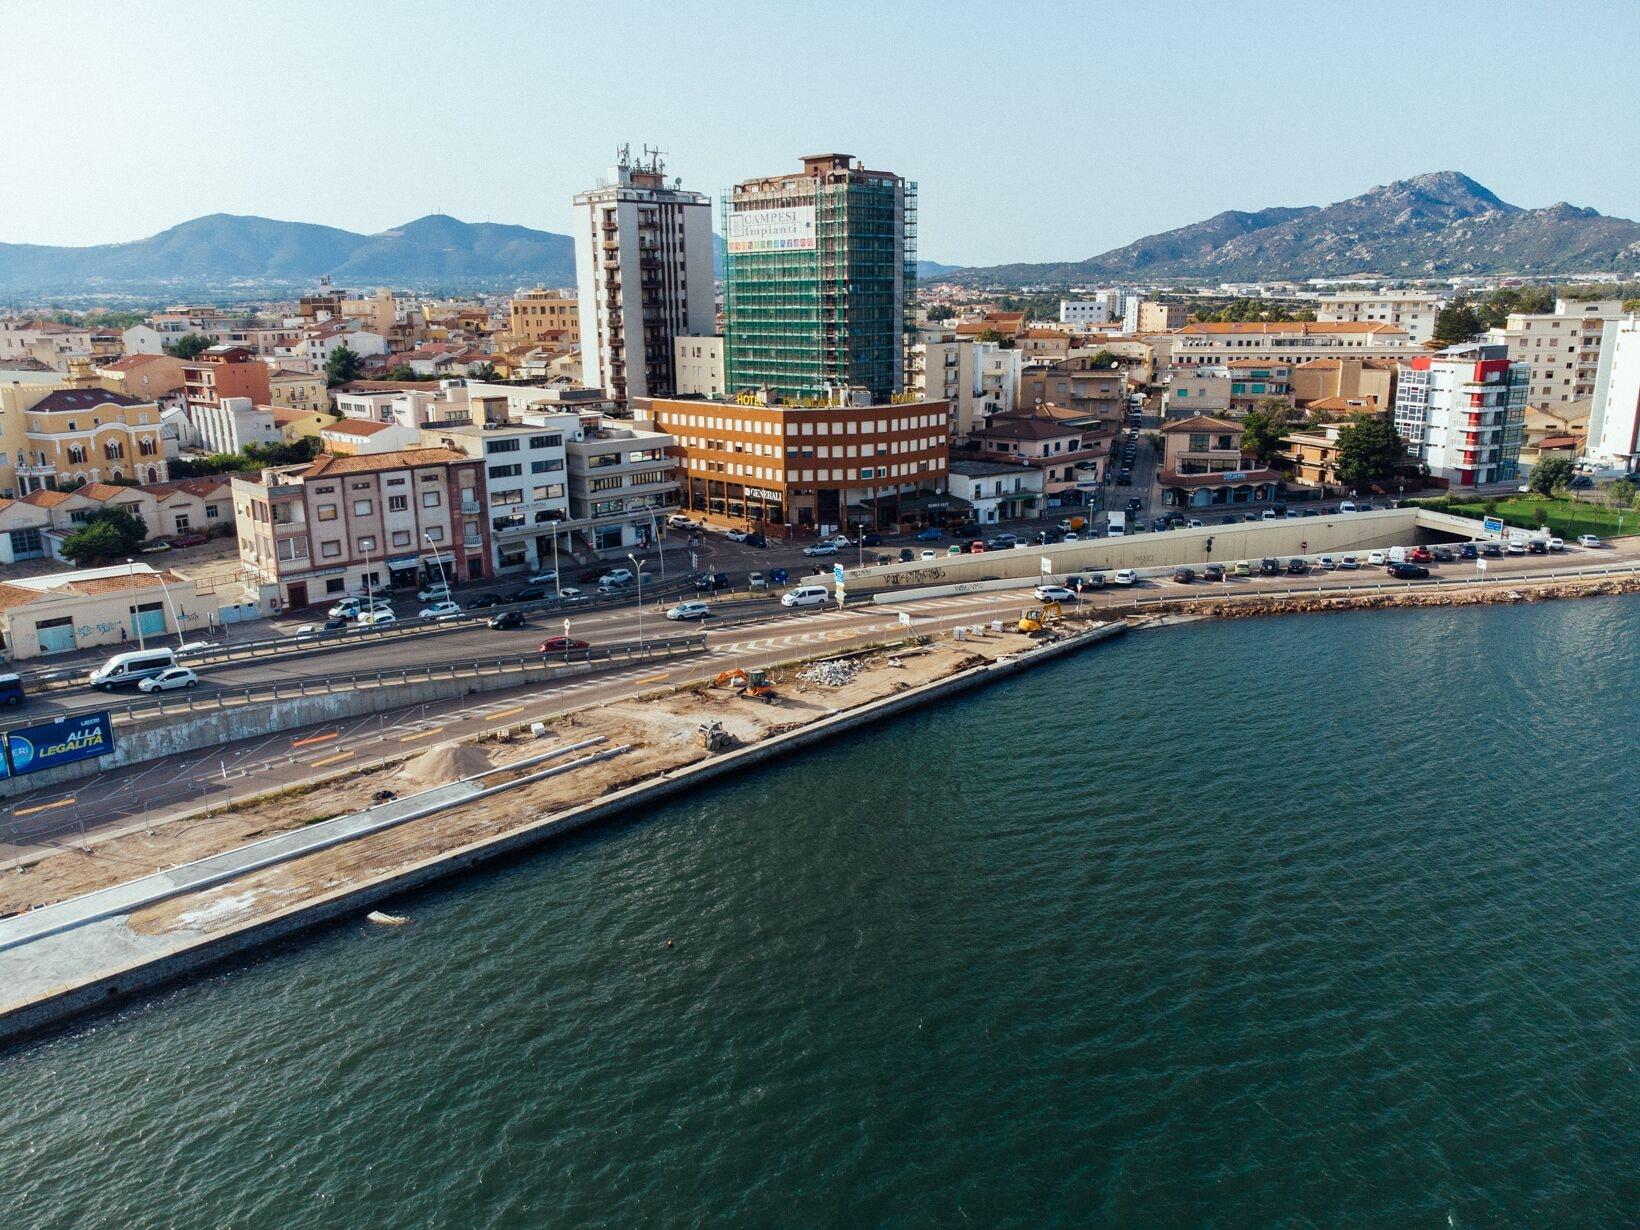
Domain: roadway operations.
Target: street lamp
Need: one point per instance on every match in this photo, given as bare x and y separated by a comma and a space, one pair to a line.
637, 571
136, 615
438, 561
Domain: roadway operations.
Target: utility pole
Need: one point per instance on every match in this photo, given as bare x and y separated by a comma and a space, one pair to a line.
637, 571
136, 615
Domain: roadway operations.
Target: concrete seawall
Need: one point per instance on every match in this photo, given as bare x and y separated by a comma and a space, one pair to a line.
106, 986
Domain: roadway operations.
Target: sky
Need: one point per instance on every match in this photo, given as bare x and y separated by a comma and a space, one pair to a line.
1036, 132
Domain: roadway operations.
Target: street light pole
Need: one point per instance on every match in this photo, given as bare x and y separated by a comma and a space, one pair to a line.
136, 615
438, 562
557, 575
637, 571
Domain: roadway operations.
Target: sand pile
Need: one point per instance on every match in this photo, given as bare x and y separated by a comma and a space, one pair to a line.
439, 765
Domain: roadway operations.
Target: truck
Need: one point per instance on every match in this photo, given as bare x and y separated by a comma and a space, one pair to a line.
1116, 523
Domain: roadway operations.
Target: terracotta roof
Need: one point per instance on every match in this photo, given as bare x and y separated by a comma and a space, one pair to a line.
402, 459
47, 499
289, 414
357, 427
1203, 422
82, 399
1304, 327
202, 488
100, 491
92, 587
1344, 403
1026, 428
1557, 442
129, 362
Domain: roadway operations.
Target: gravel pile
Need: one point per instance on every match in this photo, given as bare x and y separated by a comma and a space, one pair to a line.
829, 674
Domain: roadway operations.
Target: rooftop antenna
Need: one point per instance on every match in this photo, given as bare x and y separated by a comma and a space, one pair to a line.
623, 154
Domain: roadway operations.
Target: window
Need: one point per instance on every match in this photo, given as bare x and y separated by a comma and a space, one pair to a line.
329, 550
367, 542
429, 499
363, 508
547, 466
327, 512
398, 503
551, 491
552, 441
435, 533
292, 548
502, 446
213, 512
401, 538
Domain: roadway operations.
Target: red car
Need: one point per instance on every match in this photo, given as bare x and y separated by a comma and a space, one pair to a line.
557, 644
976, 548
1420, 555
190, 540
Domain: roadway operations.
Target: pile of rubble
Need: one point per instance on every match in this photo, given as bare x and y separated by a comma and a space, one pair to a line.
830, 674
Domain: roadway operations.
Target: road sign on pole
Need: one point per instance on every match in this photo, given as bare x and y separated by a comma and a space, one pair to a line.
1047, 566
837, 574
1492, 525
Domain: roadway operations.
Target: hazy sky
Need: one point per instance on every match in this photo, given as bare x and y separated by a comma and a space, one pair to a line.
1036, 131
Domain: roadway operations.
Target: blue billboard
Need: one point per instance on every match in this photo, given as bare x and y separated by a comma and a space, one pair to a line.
33, 748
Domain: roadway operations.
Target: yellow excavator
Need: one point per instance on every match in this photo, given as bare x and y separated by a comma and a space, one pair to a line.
1038, 618
751, 683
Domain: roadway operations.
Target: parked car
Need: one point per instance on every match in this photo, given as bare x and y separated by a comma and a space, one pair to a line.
433, 593
1581, 483
506, 619
1297, 567
1053, 593
1269, 568
977, 547
756, 580
169, 680
689, 610
706, 582
1515, 547
1468, 550
1420, 555
616, 576
528, 593
1213, 572
839, 541
1124, 576
1194, 523
190, 540
1347, 506
1407, 571
1441, 555
1557, 544
821, 548
1084, 582
1002, 542
1184, 576
1326, 563
546, 576
1537, 546
1244, 568
1377, 558
1492, 550
484, 601
350, 606
376, 618
871, 540
559, 644
737, 535
1348, 563
755, 539
439, 610
928, 553
907, 555
932, 534
334, 624
1588, 540
569, 593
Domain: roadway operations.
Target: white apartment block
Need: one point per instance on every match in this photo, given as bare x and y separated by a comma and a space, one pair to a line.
1411, 311
526, 484
230, 424
1614, 419
977, 378
697, 364
1562, 346
1084, 312
1207, 343
643, 269
1463, 412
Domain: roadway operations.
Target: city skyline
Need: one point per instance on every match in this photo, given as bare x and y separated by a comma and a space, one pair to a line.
320, 106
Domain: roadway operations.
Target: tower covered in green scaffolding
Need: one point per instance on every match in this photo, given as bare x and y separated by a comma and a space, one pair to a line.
820, 280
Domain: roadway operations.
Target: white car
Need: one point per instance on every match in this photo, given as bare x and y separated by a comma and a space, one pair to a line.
439, 610
1378, 558
1515, 547
821, 548
1557, 544
1348, 506
689, 610
680, 522
372, 619
616, 576
169, 680
839, 541
1588, 540
350, 606
433, 593
1052, 593
1125, 576
1348, 563
570, 594
737, 535
545, 577
1195, 523
1326, 562
1070, 536
928, 553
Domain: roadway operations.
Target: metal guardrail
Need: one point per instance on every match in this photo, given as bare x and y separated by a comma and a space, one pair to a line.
1193, 592
188, 701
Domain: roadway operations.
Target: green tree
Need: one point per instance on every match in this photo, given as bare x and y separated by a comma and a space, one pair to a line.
1370, 450
484, 371
1620, 493
108, 533
1631, 305
187, 346
343, 365
1264, 427
1550, 475
403, 371
1457, 322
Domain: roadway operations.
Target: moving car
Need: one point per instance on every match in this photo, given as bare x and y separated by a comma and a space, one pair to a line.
126, 669
1407, 572
871, 540
334, 624
737, 535
484, 601
528, 593
689, 610
805, 595
169, 680
931, 534
821, 548
839, 541
1053, 593
433, 593
544, 577
1124, 576
374, 619
559, 644
507, 619
439, 610
350, 606
616, 576
1588, 540
680, 522
11, 689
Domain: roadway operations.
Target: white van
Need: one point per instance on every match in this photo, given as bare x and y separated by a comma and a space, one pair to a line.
126, 670
1347, 506
1397, 555
805, 595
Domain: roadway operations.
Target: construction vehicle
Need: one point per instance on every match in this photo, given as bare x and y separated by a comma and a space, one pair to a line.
754, 683
712, 737
1036, 621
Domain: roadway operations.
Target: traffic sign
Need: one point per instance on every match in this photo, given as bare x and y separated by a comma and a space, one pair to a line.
837, 572
1047, 566
1492, 525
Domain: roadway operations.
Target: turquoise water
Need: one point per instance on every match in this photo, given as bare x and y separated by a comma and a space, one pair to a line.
1305, 922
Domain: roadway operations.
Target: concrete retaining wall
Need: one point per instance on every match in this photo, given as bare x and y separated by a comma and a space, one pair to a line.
145, 975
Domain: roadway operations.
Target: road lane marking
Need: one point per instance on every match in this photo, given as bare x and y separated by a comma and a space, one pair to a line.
508, 712
336, 759
420, 734
316, 739
29, 811
649, 678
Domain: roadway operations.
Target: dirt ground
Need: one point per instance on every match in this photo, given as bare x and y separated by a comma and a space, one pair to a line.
659, 731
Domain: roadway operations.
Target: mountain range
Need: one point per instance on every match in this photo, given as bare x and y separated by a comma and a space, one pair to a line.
1427, 226
227, 251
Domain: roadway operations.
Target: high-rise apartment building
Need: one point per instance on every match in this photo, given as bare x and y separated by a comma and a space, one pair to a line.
643, 271
1463, 411
1614, 421
1563, 347
821, 277
1412, 311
